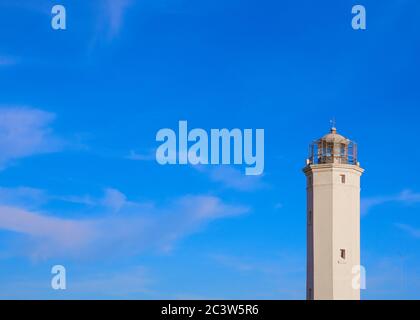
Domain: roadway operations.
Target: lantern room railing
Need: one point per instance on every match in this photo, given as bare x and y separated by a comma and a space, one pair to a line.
322, 151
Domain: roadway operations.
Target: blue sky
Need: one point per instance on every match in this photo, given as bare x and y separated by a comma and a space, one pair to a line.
80, 108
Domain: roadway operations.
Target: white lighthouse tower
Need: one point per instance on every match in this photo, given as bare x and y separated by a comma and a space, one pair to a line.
333, 218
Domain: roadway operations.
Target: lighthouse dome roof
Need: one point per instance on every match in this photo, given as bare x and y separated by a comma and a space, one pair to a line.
334, 137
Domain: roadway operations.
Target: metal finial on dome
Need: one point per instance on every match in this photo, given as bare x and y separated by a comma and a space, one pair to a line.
333, 125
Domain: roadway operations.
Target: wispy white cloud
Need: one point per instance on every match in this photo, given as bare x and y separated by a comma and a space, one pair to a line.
6, 61
115, 10
25, 132
135, 156
137, 227
22, 196
405, 197
33, 198
49, 235
85, 200
232, 178
114, 199
414, 232
109, 22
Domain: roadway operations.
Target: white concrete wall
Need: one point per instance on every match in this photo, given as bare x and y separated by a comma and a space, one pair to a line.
336, 225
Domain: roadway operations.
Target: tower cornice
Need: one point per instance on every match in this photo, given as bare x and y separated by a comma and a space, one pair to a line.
328, 166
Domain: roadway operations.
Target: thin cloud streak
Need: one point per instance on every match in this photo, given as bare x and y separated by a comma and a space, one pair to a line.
413, 232
6, 61
23, 196
406, 197
135, 156
25, 132
232, 178
115, 10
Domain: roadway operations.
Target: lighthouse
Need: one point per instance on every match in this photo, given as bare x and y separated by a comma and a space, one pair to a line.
333, 218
